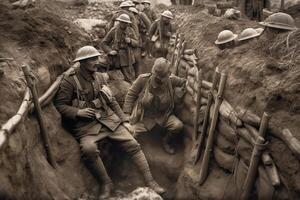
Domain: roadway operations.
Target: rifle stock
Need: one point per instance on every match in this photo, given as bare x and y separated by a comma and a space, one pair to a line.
211, 134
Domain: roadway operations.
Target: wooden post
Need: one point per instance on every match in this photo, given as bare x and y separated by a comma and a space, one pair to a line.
198, 145
211, 134
45, 138
198, 105
255, 158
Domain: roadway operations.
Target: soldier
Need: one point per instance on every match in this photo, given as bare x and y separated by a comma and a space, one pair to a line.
248, 34
92, 113
119, 44
124, 9
150, 101
143, 26
225, 39
254, 8
160, 34
148, 11
278, 23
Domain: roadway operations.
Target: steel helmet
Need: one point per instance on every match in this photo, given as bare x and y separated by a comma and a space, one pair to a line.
161, 67
136, 1
225, 36
248, 33
130, 3
86, 52
280, 21
134, 10
146, 1
124, 4
124, 18
167, 14
259, 30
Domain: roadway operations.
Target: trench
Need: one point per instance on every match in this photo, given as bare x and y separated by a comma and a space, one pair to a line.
27, 174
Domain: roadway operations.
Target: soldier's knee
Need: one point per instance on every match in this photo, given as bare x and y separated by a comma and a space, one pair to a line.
132, 146
177, 126
89, 149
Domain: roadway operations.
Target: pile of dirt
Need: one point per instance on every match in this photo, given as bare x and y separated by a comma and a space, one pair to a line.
263, 74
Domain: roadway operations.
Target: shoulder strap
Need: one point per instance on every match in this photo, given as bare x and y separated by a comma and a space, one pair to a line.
77, 82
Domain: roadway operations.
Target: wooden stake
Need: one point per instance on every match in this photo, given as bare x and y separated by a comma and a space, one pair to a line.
211, 134
45, 138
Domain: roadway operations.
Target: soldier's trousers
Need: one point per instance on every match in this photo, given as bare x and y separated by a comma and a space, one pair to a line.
173, 126
91, 153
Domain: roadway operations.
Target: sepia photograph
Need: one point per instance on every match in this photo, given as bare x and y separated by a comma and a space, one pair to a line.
149, 99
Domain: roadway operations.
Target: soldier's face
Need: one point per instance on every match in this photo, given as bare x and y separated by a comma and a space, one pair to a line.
160, 80
91, 64
146, 5
123, 25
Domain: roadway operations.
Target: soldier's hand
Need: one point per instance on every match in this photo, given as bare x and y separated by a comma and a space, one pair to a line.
113, 53
86, 113
128, 127
128, 40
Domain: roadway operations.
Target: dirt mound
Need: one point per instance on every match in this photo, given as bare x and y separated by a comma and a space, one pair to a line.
263, 74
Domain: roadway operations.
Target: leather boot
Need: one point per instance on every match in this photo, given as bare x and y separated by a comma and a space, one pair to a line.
140, 161
167, 144
97, 168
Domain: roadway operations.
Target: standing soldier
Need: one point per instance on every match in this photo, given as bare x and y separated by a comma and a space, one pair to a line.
160, 34
143, 27
150, 101
92, 113
148, 11
119, 44
124, 9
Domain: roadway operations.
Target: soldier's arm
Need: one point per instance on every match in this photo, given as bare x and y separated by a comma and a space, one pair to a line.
105, 44
145, 20
63, 100
133, 94
134, 42
118, 110
153, 15
177, 81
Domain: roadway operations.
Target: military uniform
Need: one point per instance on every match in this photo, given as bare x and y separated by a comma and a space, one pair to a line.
125, 59
160, 35
159, 109
150, 14
113, 20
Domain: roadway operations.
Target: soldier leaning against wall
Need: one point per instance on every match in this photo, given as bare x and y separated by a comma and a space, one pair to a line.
92, 114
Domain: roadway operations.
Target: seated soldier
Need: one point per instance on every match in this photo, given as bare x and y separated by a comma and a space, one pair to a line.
89, 109
150, 101
226, 39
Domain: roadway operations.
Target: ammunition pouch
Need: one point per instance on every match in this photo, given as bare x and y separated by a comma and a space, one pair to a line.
79, 103
97, 103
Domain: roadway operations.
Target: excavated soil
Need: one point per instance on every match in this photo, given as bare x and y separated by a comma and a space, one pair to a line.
263, 75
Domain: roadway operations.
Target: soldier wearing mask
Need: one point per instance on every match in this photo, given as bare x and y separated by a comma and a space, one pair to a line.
160, 34
150, 102
119, 44
92, 114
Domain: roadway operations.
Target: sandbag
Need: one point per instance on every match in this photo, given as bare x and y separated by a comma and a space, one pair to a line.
191, 81
245, 134
190, 90
188, 100
225, 145
207, 85
182, 69
227, 131
253, 131
271, 169
203, 100
193, 72
227, 111
244, 150
224, 160
248, 117
292, 142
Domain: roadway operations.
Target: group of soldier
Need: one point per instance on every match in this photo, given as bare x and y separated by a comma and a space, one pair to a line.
89, 109
134, 32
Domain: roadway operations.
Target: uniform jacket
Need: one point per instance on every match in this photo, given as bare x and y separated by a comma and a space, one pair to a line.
69, 99
138, 90
115, 40
161, 30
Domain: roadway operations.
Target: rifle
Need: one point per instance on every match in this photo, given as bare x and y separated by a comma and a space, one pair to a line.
198, 105
173, 54
45, 138
198, 145
255, 158
211, 134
